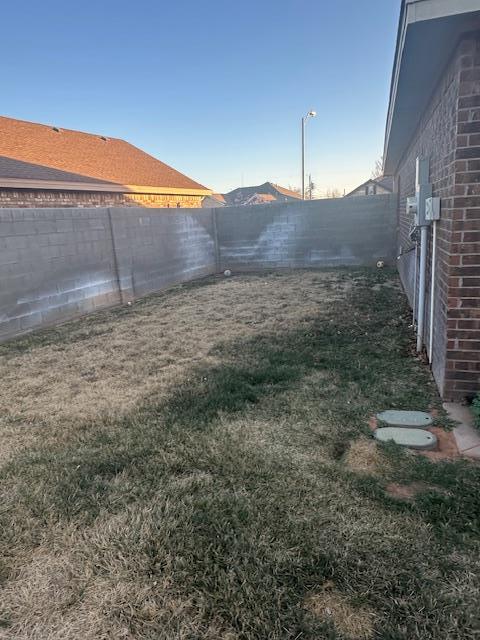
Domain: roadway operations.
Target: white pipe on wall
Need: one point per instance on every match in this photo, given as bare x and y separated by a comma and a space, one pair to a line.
432, 289
414, 323
421, 286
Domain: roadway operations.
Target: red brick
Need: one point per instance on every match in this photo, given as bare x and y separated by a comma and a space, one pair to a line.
449, 135
471, 236
468, 177
467, 152
469, 376
469, 127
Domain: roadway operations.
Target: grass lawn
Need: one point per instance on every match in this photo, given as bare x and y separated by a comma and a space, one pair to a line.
199, 466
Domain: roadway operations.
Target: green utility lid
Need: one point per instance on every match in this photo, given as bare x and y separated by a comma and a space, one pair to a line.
413, 419
413, 438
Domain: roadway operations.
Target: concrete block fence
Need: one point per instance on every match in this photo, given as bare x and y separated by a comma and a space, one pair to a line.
57, 264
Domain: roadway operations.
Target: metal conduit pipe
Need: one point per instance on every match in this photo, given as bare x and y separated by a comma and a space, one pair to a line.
421, 286
432, 289
433, 214
423, 191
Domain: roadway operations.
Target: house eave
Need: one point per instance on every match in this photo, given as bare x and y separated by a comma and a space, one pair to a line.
428, 34
57, 185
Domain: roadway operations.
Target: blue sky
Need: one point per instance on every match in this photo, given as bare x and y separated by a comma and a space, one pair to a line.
216, 88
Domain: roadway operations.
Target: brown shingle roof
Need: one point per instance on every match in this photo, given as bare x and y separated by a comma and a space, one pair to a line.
33, 151
287, 192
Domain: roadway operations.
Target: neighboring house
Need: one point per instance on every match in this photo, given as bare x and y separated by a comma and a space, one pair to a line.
434, 113
260, 198
44, 166
213, 201
242, 195
373, 187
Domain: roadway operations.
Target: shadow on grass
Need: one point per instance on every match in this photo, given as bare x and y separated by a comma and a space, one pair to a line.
248, 527
360, 346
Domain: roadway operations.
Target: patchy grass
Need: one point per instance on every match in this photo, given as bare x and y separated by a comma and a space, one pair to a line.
199, 466
365, 457
353, 622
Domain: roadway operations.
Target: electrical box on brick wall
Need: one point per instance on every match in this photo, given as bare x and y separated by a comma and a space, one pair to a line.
432, 209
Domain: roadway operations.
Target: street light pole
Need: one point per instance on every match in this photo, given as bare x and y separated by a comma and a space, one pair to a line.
310, 114
303, 157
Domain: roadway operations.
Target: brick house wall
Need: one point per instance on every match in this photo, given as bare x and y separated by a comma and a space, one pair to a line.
449, 135
25, 198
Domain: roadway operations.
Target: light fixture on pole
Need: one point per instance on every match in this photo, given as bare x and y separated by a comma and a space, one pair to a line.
310, 114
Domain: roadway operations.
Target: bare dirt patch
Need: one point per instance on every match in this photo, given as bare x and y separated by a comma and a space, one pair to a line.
405, 491
446, 448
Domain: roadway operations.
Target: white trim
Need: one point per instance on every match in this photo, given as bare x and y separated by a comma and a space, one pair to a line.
419, 10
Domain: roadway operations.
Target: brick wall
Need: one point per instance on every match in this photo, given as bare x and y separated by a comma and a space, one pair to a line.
449, 135
24, 198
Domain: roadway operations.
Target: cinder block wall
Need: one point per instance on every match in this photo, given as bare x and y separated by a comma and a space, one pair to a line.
449, 135
320, 233
56, 264
155, 250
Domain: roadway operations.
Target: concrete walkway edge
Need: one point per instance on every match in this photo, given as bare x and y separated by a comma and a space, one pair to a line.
466, 435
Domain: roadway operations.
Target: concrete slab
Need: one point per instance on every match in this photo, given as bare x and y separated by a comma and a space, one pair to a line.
409, 419
467, 436
472, 453
411, 438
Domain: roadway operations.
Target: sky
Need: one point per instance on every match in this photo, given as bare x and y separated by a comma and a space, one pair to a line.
215, 88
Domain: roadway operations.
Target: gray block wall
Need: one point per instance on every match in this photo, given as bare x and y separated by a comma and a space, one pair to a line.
319, 233
156, 248
57, 264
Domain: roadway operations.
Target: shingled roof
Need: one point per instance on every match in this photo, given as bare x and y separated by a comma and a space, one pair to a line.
242, 194
38, 152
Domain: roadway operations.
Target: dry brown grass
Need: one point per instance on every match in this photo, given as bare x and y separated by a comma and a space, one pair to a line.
166, 481
364, 456
405, 491
355, 623
105, 368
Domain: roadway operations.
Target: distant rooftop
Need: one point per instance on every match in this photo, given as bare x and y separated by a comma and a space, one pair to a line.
242, 194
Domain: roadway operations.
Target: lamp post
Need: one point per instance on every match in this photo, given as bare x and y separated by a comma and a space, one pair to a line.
310, 114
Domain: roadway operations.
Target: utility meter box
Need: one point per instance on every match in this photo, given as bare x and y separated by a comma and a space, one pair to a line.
432, 209
424, 192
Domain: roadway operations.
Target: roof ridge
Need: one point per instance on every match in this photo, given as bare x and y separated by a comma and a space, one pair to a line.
78, 152
52, 126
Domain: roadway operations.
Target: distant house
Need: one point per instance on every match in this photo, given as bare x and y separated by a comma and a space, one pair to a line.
260, 198
214, 200
45, 166
373, 187
261, 194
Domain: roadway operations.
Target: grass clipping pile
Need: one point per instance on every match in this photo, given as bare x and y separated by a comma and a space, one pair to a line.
199, 466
